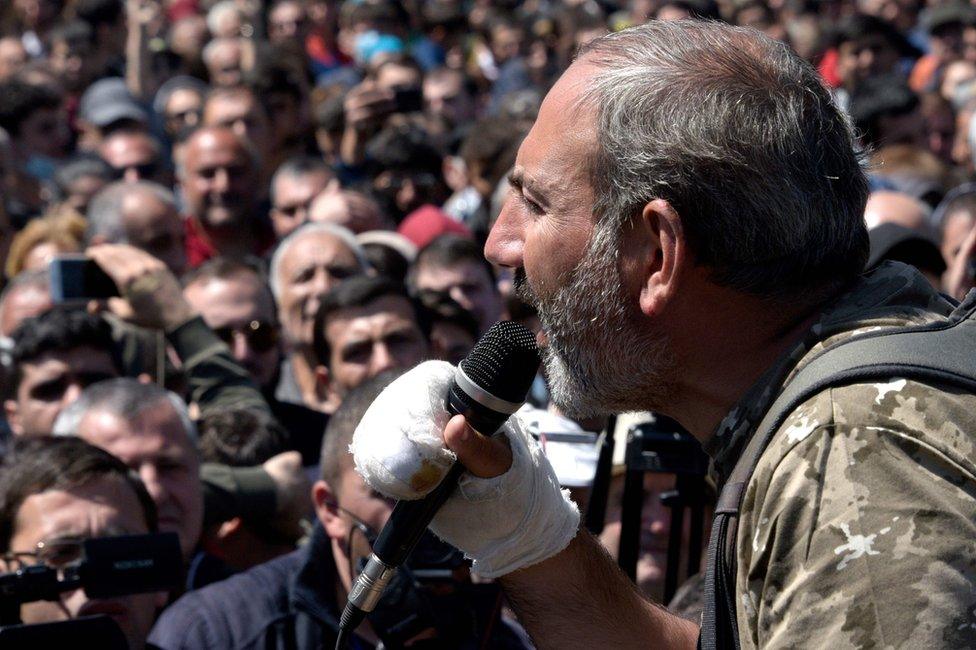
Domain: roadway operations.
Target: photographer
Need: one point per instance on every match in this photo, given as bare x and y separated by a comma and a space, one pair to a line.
55, 493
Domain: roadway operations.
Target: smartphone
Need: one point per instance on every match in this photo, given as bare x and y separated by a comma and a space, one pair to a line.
76, 277
408, 100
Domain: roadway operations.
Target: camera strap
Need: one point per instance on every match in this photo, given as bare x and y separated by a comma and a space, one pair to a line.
939, 353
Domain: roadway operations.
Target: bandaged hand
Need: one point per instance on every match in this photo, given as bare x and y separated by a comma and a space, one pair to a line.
503, 523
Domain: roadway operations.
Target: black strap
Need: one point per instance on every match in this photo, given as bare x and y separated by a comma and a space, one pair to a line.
938, 353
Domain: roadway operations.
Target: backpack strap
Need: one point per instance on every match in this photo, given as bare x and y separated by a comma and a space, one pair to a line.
941, 352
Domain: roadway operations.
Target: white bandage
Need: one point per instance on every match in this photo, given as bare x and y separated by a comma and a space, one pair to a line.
398, 447
504, 523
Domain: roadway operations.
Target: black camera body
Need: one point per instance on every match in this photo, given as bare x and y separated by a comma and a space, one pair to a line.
110, 566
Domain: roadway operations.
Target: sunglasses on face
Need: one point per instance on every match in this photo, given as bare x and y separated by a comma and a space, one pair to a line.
261, 337
145, 170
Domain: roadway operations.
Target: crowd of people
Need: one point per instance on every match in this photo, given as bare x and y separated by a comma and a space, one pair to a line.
292, 198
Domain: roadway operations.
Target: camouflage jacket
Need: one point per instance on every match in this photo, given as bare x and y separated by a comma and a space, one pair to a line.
858, 527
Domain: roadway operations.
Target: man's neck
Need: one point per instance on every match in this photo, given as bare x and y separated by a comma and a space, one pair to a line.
731, 342
303, 371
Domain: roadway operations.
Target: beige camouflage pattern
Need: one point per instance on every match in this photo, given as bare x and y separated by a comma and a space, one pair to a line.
858, 528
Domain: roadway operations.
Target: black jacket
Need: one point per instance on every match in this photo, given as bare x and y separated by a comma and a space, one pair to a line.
287, 603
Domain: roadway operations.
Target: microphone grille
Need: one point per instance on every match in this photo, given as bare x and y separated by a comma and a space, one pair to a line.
504, 361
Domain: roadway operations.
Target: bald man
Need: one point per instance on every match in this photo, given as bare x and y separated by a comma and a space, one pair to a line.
886, 206
219, 181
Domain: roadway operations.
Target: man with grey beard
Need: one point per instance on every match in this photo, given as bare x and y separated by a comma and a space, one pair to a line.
686, 215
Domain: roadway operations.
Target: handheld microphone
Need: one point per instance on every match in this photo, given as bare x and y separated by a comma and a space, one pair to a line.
489, 385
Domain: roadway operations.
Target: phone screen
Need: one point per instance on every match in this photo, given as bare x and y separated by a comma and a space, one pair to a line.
76, 277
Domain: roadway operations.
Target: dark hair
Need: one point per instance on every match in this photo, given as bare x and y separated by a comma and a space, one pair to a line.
387, 261
34, 465
59, 329
357, 291
448, 251
403, 148
99, 12
19, 100
240, 437
335, 458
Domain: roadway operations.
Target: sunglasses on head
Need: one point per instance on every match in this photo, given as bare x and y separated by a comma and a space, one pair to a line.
261, 337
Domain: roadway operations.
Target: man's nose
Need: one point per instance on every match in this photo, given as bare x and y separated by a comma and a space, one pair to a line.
240, 347
154, 485
505, 241
71, 393
221, 181
382, 360
461, 298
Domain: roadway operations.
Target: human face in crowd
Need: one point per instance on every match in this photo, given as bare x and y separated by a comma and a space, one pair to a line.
52, 520
155, 227
445, 96
955, 229
225, 63
314, 264
21, 303
82, 189
218, 179
45, 133
868, 56
134, 156
241, 310
349, 209
655, 525
355, 499
469, 284
287, 22
182, 111
50, 383
546, 232
293, 196
155, 445
365, 341
242, 113
72, 62
450, 342
13, 56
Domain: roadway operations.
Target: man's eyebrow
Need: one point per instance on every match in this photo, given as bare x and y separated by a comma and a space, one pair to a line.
515, 179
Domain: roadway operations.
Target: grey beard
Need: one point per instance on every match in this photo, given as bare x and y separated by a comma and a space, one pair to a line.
599, 358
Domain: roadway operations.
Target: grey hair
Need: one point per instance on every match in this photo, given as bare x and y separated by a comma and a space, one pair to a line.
123, 397
218, 11
742, 139
340, 232
105, 210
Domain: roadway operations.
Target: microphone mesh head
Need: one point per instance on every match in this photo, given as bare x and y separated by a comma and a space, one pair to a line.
504, 361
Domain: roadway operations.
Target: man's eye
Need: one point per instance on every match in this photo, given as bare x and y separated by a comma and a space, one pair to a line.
341, 272
49, 391
357, 353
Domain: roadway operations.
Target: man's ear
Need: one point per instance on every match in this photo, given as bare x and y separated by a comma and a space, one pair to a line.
327, 511
664, 256
12, 414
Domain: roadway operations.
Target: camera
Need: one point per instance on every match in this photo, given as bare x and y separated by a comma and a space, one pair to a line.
107, 567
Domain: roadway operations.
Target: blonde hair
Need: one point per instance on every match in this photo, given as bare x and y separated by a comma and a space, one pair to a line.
64, 230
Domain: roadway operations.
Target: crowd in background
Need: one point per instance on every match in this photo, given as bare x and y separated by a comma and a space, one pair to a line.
291, 197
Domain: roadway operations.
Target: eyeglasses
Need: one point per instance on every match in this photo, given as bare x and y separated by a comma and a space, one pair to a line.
55, 554
260, 337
